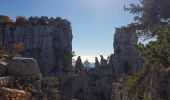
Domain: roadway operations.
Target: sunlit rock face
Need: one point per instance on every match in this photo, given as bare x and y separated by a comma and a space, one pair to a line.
50, 44
125, 58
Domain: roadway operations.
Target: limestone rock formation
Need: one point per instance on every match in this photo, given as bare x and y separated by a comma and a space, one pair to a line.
19, 74
125, 58
48, 41
97, 83
79, 67
94, 84
97, 64
103, 62
161, 86
118, 92
23, 67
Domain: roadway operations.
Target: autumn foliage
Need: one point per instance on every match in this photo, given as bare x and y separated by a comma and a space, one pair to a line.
5, 19
18, 47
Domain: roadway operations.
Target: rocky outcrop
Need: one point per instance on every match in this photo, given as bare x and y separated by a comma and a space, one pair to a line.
160, 84
20, 77
97, 83
49, 41
103, 62
93, 84
125, 58
118, 93
79, 67
97, 64
23, 67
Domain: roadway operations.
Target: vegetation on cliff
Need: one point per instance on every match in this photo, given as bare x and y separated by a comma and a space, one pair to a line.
152, 20
43, 20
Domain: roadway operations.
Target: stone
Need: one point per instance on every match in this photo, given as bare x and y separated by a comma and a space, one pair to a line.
23, 67
126, 58
3, 69
118, 92
97, 83
97, 64
79, 67
49, 43
6, 80
103, 62
161, 84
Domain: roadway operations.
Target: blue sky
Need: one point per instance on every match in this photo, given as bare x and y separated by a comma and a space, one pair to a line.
93, 21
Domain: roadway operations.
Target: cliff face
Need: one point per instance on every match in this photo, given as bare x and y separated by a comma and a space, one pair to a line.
160, 85
97, 83
50, 44
125, 58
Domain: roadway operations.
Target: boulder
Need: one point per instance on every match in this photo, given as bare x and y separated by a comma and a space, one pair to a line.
23, 67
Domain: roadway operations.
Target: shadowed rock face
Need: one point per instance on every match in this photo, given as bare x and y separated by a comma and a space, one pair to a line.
25, 69
160, 84
49, 44
96, 84
125, 58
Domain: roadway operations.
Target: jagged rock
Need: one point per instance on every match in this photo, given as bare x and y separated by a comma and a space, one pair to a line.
79, 67
3, 69
96, 84
97, 64
161, 84
103, 62
118, 92
50, 44
6, 80
125, 58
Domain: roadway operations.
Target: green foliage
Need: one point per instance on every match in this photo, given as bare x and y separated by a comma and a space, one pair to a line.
150, 13
156, 55
152, 19
158, 51
50, 86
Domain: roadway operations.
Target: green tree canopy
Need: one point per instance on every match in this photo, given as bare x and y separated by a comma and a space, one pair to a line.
150, 13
